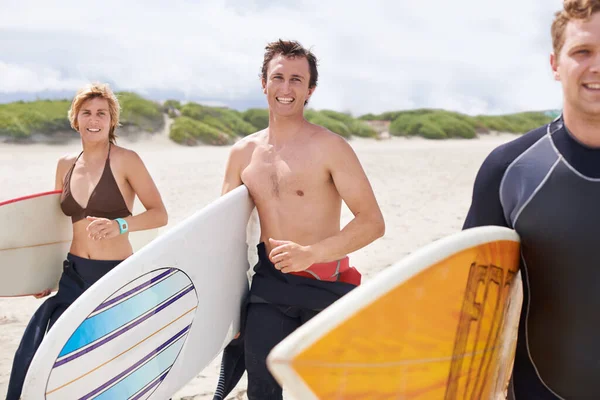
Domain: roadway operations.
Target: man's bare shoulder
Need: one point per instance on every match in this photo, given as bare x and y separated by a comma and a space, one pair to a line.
327, 139
248, 143
239, 157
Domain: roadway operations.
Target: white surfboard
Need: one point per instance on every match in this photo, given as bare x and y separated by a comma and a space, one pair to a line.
150, 325
34, 240
440, 324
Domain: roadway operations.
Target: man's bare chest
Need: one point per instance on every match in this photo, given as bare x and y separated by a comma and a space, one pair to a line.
276, 176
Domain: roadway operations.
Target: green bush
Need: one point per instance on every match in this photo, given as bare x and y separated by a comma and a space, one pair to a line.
432, 125
338, 116
459, 125
188, 131
386, 116
468, 126
172, 108
333, 125
405, 125
490, 123
452, 126
429, 130
194, 111
341, 123
227, 121
361, 129
514, 123
218, 124
370, 117
238, 126
172, 104
257, 117
11, 126
21, 119
139, 112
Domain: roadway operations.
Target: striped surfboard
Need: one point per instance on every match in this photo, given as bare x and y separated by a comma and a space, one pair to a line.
125, 348
150, 325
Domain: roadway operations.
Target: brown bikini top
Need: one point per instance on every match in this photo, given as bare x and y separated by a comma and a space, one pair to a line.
106, 200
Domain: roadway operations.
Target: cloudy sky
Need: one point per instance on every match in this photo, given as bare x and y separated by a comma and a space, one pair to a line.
472, 56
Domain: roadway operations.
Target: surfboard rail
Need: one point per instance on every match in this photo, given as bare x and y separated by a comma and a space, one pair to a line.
31, 196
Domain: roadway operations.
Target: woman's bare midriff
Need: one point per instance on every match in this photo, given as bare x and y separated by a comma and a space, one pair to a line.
117, 248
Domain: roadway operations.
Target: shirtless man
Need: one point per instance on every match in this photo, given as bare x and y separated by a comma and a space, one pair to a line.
546, 186
297, 174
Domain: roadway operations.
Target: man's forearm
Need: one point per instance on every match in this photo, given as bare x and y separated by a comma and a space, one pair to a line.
359, 232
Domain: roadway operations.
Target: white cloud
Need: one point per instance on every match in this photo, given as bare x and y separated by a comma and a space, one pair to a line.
465, 55
34, 78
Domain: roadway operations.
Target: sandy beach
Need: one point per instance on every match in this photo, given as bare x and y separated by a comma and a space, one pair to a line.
423, 187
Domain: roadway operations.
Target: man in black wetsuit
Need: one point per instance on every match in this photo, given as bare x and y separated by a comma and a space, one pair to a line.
546, 186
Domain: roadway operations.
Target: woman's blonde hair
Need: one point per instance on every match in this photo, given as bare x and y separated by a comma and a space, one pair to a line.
101, 90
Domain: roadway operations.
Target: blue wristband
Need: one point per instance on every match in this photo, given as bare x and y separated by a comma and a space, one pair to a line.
123, 225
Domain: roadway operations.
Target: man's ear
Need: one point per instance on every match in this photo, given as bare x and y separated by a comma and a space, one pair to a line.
264, 85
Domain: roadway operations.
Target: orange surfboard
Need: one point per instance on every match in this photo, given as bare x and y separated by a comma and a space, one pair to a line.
440, 324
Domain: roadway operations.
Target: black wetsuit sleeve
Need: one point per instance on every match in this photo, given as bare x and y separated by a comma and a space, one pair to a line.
486, 208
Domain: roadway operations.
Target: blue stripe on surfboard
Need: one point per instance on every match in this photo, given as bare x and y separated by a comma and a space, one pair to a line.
99, 325
132, 291
139, 374
150, 387
123, 330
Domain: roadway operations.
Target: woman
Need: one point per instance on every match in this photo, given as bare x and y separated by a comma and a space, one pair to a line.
98, 190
